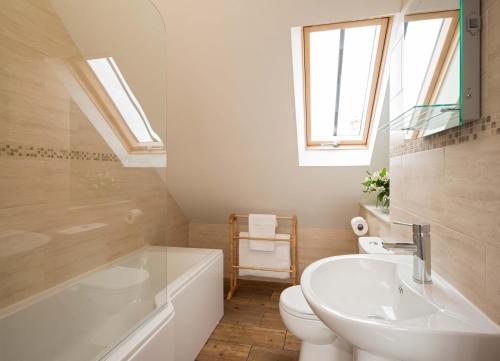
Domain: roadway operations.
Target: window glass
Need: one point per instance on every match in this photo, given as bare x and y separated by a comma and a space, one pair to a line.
324, 57
112, 80
357, 74
342, 66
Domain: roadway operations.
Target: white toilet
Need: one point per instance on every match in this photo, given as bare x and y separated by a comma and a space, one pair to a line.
319, 343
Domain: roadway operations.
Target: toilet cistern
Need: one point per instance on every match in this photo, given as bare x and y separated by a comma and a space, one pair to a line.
421, 247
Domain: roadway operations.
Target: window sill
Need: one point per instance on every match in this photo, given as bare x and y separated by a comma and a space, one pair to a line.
377, 213
340, 147
334, 157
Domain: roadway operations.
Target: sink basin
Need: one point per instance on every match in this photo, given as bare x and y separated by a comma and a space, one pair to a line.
373, 302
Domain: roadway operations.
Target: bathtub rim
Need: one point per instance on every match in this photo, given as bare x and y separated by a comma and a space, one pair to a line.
179, 283
146, 330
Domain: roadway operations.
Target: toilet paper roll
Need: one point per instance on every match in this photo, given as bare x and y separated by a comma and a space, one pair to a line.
132, 215
359, 226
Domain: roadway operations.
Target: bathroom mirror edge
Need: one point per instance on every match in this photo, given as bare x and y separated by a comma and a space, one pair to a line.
470, 47
431, 107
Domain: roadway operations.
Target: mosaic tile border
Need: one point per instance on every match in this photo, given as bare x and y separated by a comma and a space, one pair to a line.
468, 132
37, 152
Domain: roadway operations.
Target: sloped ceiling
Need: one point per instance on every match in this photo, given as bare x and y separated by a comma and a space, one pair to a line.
231, 134
133, 34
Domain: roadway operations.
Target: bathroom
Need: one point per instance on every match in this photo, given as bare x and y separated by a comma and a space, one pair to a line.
151, 150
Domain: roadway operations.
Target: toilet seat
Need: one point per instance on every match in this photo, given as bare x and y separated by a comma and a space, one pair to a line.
293, 302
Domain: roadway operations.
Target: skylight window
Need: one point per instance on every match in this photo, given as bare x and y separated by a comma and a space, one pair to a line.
342, 66
112, 80
105, 86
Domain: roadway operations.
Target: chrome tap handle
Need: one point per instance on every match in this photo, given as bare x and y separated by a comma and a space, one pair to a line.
422, 247
417, 227
403, 224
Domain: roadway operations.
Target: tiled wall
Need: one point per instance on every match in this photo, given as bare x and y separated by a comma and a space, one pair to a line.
177, 225
57, 173
452, 180
313, 243
378, 227
471, 131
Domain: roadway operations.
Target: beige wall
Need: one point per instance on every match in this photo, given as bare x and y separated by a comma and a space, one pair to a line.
231, 118
377, 226
313, 243
451, 180
231, 122
58, 173
177, 225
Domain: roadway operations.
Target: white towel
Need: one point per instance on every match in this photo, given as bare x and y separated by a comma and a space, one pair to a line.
263, 226
279, 258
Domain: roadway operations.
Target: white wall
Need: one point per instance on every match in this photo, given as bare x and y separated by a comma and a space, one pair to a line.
230, 111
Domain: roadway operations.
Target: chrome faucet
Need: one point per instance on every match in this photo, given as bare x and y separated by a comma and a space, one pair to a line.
421, 248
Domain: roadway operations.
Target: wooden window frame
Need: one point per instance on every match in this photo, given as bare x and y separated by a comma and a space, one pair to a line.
103, 102
450, 44
382, 47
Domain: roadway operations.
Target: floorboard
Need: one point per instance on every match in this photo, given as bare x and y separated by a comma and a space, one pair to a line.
252, 329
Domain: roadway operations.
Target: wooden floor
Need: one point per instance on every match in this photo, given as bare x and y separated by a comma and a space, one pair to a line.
251, 329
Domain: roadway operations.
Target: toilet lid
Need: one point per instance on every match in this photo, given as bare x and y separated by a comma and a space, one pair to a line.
294, 302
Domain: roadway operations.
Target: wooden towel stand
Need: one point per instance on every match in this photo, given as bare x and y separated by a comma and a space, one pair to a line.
234, 238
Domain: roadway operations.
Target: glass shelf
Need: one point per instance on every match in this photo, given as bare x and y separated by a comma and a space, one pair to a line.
423, 120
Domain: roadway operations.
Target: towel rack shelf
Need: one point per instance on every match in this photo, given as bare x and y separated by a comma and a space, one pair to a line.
263, 269
262, 239
277, 217
234, 239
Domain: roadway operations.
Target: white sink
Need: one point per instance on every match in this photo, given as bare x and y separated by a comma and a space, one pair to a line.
373, 302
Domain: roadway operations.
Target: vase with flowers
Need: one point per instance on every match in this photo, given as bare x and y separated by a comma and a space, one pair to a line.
378, 183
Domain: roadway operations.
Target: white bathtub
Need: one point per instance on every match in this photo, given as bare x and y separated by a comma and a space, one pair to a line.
79, 320
196, 291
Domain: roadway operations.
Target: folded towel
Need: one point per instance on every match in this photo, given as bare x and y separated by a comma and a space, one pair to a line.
263, 226
279, 258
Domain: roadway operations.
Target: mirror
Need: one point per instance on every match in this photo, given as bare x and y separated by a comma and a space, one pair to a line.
433, 63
